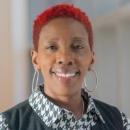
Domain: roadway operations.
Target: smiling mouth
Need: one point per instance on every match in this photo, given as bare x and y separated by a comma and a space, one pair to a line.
66, 75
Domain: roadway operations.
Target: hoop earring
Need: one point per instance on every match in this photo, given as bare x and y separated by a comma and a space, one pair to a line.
85, 82
35, 80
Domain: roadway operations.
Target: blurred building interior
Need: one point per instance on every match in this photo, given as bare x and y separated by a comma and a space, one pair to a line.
111, 25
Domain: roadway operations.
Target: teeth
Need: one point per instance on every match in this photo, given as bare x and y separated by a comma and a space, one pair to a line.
65, 75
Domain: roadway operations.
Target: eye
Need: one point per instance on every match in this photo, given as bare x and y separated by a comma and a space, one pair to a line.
52, 47
77, 46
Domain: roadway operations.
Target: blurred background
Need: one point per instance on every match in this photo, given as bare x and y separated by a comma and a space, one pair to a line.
111, 25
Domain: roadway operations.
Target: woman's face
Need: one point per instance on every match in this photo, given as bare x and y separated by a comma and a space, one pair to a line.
63, 55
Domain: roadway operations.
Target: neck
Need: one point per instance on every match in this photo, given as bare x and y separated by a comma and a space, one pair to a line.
73, 103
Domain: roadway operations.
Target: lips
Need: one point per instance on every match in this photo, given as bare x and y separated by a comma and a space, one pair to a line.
66, 75
63, 73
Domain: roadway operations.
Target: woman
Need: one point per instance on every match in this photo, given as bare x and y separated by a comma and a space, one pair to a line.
63, 53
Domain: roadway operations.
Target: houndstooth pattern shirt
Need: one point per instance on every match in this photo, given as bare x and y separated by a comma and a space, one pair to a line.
57, 117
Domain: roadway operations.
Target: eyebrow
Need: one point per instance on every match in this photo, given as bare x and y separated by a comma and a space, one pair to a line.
78, 38
75, 38
54, 39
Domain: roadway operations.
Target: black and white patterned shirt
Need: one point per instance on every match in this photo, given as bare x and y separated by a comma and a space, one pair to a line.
56, 117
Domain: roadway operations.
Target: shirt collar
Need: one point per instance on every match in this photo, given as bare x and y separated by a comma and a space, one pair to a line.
50, 112
91, 105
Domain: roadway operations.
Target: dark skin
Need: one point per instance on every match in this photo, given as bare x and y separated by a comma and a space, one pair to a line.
64, 57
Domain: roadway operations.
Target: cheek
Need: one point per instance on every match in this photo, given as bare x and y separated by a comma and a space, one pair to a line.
45, 62
85, 62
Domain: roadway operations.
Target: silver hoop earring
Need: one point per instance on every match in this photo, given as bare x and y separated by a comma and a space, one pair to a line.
85, 82
35, 80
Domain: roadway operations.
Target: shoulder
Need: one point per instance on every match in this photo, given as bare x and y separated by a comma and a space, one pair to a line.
102, 106
18, 111
110, 113
14, 114
21, 107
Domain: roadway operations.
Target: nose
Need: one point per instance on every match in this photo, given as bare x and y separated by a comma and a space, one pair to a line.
61, 62
65, 59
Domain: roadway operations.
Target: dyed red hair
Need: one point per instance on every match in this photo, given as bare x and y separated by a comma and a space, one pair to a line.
61, 10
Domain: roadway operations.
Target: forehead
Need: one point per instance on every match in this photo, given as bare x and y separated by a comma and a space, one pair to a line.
64, 26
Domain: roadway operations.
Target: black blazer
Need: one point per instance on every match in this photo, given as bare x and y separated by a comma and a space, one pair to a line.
23, 117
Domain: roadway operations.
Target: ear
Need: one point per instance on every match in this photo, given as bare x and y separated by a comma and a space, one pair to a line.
92, 61
34, 55
93, 58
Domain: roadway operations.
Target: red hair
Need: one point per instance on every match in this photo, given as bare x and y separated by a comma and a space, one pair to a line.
61, 10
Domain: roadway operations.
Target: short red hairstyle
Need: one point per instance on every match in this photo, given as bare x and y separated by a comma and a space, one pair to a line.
61, 10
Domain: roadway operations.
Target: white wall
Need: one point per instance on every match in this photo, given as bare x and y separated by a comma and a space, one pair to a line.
5, 56
105, 45
14, 53
20, 49
112, 45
